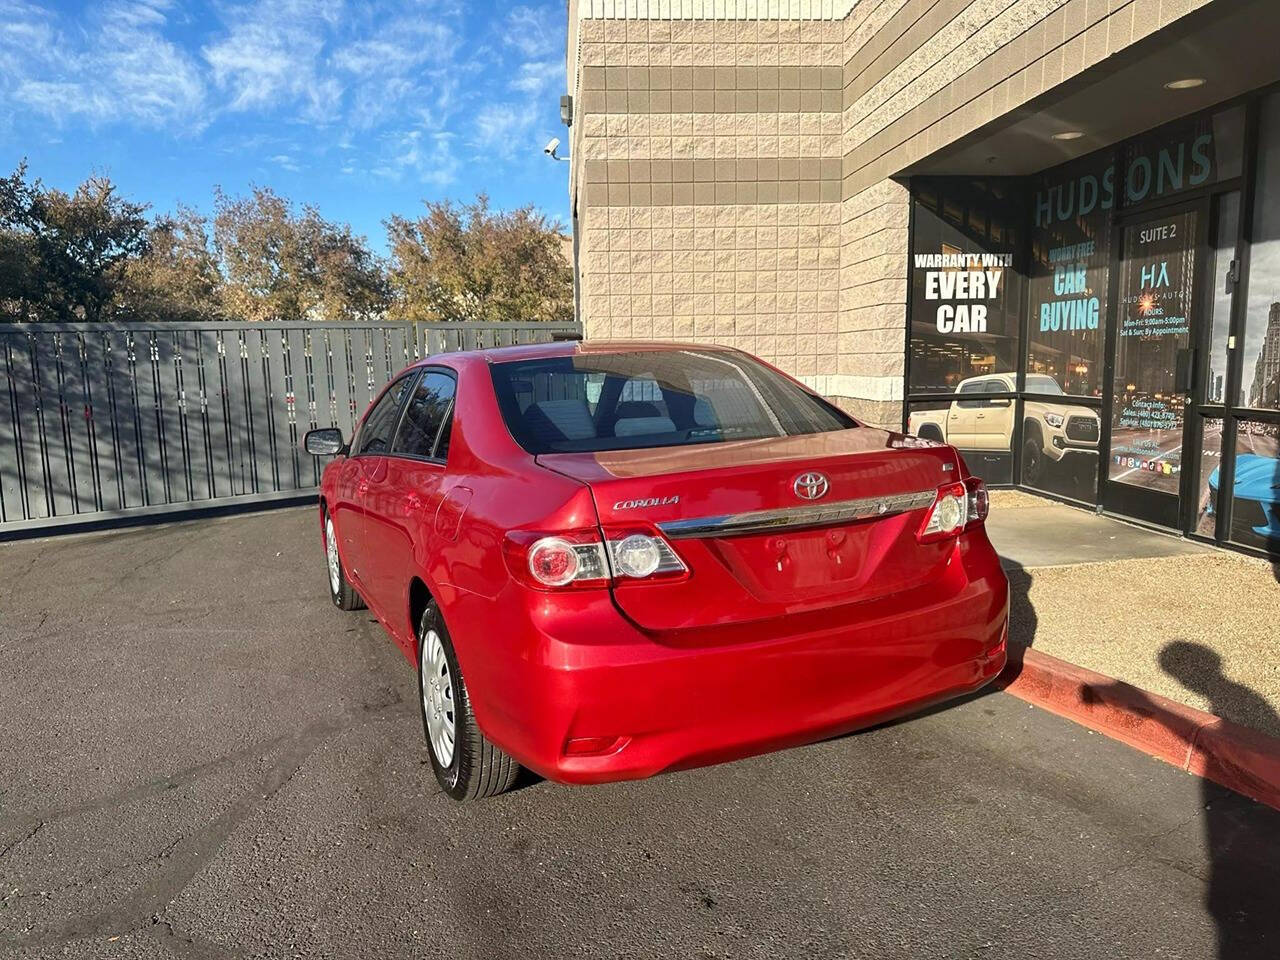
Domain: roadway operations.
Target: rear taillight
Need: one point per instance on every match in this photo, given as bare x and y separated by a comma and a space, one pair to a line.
957, 507
560, 560
979, 501
582, 559
556, 562
642, 556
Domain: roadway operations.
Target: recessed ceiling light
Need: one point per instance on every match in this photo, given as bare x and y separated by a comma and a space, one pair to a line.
1069, 135
1188, 83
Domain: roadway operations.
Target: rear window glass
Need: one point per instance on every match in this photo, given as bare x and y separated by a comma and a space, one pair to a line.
622, 401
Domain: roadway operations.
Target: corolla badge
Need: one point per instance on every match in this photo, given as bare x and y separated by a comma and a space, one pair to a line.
811, 485
649, 502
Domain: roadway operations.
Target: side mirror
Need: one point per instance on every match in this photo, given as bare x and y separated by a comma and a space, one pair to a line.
324, 442
1002, 402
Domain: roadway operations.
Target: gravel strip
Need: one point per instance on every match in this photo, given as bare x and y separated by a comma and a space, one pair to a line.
1202, 629
1017, 500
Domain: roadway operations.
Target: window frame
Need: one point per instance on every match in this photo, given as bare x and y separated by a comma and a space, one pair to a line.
411, 374
447, 420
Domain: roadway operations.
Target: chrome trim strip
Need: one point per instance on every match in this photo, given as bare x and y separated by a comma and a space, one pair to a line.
759, 521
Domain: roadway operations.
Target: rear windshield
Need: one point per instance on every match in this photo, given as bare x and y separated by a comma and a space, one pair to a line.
625, 401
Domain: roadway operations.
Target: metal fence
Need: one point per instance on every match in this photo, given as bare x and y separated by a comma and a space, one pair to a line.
104, 421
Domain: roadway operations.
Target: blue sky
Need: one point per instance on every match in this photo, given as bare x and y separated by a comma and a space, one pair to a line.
362, 109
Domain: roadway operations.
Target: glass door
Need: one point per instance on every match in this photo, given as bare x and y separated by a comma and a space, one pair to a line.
1152, 363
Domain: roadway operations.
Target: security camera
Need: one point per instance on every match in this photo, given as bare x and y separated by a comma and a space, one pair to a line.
552, 146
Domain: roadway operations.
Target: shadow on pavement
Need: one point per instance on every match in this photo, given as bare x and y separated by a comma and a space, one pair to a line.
1023, 622
1242, 837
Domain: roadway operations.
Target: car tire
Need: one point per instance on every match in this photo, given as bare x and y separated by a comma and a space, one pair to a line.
343, 595
1032, 462
466, 764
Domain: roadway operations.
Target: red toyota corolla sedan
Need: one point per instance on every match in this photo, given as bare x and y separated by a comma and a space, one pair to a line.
614, 559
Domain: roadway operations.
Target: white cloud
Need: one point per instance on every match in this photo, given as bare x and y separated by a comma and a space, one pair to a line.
535, 31
536, 76
26, 32
427, 156
503, 128
121, 68
272, 56
405, 89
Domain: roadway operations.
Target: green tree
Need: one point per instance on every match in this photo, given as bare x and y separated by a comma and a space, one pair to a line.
278, 265
178, 277
63, 256
467, 262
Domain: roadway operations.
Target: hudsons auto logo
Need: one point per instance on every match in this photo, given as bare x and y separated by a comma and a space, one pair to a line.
810, 486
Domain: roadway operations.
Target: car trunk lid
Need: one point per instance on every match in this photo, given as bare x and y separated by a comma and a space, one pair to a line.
740, 517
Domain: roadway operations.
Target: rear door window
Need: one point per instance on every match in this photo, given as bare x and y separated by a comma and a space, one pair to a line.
425, 415
374, 438
966, 398
619, 401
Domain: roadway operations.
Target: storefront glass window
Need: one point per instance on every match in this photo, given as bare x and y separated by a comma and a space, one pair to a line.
1184, 155
1070, 253
1260, 384
1208, 502
1060, 448
966, 292
1219, 295
1255, 501
1153, 338
977, 423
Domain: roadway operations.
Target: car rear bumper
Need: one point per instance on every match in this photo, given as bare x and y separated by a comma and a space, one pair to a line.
587, 697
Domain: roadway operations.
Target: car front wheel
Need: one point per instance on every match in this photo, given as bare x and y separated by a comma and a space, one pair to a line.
466, 764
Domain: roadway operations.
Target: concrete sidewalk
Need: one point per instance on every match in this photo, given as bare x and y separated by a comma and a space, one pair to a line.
1188, 622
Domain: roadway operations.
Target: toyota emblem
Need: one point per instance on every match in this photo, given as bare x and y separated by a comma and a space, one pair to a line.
810, 486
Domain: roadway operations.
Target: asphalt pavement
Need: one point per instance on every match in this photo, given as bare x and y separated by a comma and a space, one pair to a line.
202, 758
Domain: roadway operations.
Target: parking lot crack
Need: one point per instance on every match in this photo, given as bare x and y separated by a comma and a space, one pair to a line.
39, 825
190, 853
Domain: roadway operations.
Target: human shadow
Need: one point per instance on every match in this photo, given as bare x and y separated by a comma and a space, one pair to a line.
1023, 621
1242, 837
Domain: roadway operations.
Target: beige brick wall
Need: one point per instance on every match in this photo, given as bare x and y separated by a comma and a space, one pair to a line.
734, 177
708, 184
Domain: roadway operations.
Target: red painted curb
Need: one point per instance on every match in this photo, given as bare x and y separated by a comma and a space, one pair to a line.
1220, 750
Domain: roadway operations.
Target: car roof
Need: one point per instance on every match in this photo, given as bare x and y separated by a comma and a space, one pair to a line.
570, 348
